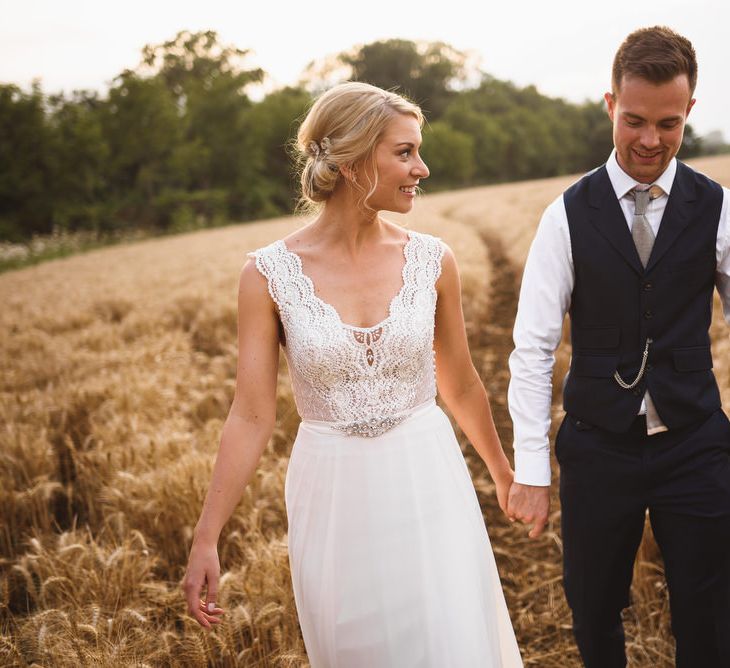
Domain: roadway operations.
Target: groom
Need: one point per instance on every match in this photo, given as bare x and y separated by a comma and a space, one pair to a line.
633, 252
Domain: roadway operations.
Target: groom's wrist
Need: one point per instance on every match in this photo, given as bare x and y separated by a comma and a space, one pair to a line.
533, 468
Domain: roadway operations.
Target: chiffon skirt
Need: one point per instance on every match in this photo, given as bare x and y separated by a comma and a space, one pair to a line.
390, 559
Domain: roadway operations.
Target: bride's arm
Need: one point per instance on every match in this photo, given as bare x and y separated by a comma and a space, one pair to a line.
458, 381
245, 434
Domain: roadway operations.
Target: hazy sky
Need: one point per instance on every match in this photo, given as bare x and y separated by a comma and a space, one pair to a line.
564, 47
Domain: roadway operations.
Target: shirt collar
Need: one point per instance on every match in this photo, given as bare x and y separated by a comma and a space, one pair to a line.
622, 183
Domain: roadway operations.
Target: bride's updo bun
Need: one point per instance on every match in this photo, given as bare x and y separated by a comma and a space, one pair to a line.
342, 129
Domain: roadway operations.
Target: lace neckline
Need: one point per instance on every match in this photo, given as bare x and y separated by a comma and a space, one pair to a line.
332, 310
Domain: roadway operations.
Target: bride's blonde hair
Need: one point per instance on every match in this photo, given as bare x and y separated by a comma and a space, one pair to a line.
341, 130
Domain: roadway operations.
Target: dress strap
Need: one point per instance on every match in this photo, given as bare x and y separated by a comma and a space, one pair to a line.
421, 271
280, 271
429, 252
291, 290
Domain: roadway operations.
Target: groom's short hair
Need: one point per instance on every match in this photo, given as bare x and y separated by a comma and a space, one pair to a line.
657, 54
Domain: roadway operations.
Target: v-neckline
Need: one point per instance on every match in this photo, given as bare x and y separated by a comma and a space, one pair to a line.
334, 311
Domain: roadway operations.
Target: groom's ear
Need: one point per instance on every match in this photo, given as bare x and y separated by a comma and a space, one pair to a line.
610, 99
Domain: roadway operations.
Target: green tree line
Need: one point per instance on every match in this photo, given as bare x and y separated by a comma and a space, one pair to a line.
178, 143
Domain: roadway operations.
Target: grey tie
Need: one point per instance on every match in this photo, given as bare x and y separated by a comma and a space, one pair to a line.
641, 230
643, 237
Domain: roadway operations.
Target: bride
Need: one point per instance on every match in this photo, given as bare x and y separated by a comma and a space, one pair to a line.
390, 560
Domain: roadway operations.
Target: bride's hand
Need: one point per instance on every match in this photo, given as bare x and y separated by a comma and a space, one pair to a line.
203, 570
503, 482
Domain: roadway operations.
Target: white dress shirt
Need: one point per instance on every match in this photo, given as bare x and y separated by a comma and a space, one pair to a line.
547, 286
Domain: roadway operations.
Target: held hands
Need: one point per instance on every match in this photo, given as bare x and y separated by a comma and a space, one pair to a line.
530, 505
203, 569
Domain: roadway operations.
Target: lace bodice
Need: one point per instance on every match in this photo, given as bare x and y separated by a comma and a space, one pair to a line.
363, 378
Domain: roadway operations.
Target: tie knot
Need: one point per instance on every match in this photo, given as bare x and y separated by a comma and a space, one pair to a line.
642, 196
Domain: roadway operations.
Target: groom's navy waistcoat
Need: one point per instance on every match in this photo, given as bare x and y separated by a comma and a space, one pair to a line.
617, 304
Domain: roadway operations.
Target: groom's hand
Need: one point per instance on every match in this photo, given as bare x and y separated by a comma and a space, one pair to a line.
529, 504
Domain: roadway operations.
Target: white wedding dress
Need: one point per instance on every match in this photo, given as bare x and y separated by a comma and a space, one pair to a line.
390, 560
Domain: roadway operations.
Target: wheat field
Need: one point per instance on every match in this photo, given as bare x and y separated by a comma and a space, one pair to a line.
117, 373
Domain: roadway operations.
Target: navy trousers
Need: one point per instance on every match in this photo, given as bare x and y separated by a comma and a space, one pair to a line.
607, 483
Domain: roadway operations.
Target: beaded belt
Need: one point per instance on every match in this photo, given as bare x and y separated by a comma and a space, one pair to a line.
371, 427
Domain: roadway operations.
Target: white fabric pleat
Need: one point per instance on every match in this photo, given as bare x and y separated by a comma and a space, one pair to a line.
390, 559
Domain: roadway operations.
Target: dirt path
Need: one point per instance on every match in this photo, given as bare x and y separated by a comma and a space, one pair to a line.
494, 340
530, 570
